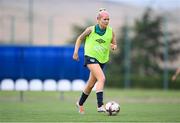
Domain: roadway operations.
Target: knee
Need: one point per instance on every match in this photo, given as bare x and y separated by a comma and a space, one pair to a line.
102, 79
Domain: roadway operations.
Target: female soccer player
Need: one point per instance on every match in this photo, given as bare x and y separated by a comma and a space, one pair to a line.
98, 41
176, 74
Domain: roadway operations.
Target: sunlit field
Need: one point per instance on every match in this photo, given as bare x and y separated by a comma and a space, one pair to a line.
136, 106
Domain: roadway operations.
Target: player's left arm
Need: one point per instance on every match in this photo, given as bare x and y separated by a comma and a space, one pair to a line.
113, 42
176, 74
177, 71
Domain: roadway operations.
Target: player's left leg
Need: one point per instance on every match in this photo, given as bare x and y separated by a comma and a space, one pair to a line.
99, 75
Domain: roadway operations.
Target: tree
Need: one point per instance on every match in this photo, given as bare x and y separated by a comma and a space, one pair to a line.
147, 44
78, 29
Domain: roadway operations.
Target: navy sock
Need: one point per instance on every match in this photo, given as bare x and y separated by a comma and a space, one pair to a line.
83, 98
99, 98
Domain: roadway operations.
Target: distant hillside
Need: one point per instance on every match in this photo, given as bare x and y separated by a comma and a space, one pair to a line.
53, 19
63, 14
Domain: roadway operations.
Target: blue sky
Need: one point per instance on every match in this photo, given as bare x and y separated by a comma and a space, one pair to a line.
164, 4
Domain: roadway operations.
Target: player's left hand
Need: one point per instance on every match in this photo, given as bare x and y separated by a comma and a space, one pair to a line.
173, 78
113, 46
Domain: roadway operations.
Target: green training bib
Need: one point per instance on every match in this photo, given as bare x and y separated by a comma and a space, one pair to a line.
97, 46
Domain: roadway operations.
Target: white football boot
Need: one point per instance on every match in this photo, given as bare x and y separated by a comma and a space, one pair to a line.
101, 109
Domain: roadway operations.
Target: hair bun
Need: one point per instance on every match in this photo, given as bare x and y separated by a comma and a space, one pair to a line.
102, 9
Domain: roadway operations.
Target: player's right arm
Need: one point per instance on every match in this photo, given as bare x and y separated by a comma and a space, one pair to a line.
78, 42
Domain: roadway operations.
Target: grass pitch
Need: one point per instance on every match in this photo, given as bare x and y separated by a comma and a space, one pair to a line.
136, 106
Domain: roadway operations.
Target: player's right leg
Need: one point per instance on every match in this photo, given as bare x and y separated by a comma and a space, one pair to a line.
90, 83
87, 90
80, 108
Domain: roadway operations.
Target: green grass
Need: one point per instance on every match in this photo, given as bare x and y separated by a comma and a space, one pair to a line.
136, 106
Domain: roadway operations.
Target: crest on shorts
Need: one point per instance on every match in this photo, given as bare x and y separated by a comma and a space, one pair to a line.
92, 60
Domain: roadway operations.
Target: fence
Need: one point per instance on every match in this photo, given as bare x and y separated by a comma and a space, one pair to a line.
41, 62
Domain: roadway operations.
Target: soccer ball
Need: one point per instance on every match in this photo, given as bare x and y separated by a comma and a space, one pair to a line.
112, 108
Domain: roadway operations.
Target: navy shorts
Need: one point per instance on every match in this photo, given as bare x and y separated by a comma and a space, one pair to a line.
91, 60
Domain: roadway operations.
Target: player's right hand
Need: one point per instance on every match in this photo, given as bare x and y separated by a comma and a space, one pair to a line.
76, 56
